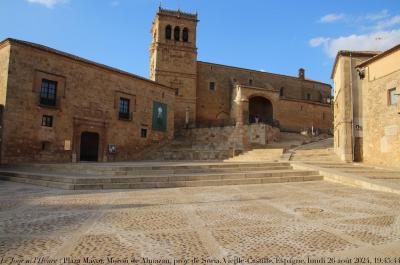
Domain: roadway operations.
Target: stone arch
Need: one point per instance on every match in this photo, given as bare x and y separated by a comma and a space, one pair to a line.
261, 109
223, 115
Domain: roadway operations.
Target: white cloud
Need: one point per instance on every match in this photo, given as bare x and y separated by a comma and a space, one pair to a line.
331, 18
388, 23
381, 41
315, 42
377, 16
48, 3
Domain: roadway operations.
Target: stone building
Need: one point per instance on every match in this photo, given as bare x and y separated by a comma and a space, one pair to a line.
366, 108
59, 107
381, 108
347, 103
212, 94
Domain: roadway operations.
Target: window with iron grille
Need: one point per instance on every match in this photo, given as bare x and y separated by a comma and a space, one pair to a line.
143, 133
48, 92
124, 108
212, 86
47, 121
392, 96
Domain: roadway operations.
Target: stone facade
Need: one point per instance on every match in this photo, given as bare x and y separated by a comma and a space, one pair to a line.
85, 119
348, 114
297, 103
88, 97
381, 108
206, 92
232, 137
173, 61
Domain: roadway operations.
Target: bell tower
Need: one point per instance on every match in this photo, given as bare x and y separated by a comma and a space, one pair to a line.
173, 60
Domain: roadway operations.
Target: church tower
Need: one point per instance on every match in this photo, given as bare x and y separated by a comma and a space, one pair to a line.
173, 60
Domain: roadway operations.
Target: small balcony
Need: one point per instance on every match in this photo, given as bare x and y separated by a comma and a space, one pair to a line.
48, 102
127, 116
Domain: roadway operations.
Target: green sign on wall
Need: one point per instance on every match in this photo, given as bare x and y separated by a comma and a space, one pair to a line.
159, 116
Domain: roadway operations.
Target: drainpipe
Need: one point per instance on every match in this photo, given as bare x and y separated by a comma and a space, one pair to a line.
352, 108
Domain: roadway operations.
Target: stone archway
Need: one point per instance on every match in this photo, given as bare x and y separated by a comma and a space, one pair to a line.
261, 110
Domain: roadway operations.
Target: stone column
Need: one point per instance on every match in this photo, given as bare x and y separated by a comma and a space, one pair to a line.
239, 113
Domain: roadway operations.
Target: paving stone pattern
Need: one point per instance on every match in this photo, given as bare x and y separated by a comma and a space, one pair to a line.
314, 219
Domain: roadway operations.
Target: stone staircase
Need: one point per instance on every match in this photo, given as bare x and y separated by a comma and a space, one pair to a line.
155, 175
262, 154
318, 151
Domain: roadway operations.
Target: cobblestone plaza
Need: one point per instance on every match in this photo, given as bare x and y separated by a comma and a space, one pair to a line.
243, 224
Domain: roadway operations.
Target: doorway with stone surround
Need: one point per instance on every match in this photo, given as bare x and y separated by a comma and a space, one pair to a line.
89, 146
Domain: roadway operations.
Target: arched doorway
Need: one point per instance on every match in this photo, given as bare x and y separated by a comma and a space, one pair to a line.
260, 109
89, 150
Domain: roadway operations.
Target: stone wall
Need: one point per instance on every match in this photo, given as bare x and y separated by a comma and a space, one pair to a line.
292, 109
381, 119
174, 63
4, 62
87, 100
296, 115
348, 107
262, 134
342, 111
232, 137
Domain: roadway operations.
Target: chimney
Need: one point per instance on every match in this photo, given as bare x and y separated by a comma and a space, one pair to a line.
301, 73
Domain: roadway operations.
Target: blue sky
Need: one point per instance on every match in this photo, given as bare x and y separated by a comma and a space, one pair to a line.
273, 36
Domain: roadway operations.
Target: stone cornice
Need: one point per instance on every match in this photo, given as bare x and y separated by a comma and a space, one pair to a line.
192, 76
177, 14
271, 89
267, 73
306, 101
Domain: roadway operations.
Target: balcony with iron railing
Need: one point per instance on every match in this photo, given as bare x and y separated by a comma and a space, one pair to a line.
127, 116
49, 102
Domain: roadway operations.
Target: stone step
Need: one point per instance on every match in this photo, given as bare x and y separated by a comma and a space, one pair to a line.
176, 171
190, 154
267, 149
188, 170
243, 159
314, 154
103, 167
151, 178
92, 185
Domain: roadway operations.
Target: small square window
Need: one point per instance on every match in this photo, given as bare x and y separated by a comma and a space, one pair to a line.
212, 86
47, 121
393, 97
46, 146
143, 133
250, 82
308, 96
